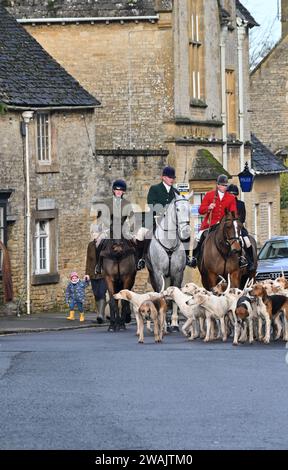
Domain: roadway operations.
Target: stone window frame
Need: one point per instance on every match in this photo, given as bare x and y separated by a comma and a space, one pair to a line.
196, 53
52, 276
49, 165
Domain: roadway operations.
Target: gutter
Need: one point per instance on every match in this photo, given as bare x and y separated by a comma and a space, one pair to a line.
96, 19
50, 108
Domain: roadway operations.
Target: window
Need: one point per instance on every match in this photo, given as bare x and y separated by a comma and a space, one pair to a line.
43, 136
45, 247
230, 102
42, 250
198, 197
196, 54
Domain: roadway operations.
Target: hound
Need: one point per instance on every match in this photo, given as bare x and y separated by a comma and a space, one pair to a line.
152, 310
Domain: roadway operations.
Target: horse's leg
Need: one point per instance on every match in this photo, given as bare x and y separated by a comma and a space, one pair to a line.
212, 279
235, 277
176, 281
128, 282
112, 302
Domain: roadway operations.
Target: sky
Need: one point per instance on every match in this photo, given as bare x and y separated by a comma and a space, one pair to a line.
266, 13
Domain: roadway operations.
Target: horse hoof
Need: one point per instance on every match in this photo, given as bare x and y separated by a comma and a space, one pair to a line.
122, 327
174, 329
99, 320
111, 328
169, 329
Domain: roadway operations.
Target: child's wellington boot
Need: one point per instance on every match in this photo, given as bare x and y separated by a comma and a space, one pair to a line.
71, 315
82, 317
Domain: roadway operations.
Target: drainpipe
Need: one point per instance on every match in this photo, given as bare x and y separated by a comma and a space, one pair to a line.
241, 32
27, 116
223, 36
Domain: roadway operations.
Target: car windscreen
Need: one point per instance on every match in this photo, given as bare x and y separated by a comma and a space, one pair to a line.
274, 250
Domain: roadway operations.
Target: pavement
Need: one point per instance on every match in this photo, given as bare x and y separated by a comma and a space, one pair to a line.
46, 321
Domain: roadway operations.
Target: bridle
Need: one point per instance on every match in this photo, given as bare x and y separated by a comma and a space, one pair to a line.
230, 241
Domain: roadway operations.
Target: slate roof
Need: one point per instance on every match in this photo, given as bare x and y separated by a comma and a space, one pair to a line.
263, 160
245, 14
205, 167
29, 76
82, 8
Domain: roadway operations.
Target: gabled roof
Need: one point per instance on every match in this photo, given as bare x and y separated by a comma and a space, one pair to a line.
82, 8
206, 167
29, 76
263, 160
245, 14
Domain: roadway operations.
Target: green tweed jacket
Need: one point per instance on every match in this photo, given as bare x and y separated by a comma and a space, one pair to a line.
158, 194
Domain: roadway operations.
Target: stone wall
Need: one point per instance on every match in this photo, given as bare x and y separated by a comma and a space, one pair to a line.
269, 92
128, 67
284, 221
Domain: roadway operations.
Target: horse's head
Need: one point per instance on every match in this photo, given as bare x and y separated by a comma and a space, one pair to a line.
182, 217
232, 231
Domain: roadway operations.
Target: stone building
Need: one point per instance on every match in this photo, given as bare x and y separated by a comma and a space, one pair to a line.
172, 78
48, 169
269, 113
173, 81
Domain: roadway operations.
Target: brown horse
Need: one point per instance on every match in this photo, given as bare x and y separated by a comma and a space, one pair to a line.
220, 254
119, 269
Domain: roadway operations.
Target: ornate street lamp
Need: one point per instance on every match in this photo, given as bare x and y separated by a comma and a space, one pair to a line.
246, 179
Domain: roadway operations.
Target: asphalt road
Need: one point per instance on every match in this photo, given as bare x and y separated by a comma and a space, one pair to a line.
89, 389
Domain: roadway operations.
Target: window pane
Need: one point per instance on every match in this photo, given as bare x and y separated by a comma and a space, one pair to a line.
43, 137
42, 262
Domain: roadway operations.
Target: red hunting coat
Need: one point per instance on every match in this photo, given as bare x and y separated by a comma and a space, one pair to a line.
228, 202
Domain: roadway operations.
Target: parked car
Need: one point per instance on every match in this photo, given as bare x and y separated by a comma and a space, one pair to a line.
273, 259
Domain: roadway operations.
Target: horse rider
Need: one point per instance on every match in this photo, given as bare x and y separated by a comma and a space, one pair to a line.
213, 208
116, 217
241, 211
159, 195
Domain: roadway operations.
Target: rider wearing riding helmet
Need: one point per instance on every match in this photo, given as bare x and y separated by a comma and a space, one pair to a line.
115, 216
241, 210
160, 195
213, 208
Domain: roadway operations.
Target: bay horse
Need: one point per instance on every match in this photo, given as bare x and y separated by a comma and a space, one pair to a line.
220, 254
118, 259
166, 257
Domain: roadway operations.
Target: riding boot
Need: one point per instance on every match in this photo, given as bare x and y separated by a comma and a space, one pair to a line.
142, 248
101, 309
194, 258
250, 258
189, 260
140, 254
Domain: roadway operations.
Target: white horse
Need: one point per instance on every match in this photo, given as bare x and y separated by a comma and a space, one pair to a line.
166, 257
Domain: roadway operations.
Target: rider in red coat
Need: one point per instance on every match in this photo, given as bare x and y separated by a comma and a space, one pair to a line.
213, 207
215, 202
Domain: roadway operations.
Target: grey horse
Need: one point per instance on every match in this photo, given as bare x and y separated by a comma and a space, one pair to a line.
166, 258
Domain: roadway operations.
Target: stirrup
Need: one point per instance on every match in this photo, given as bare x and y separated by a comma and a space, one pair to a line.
243, 262
190, 262
193, 262
141, 264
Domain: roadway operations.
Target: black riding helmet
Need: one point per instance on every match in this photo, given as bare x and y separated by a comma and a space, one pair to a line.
233, 189
119, 184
